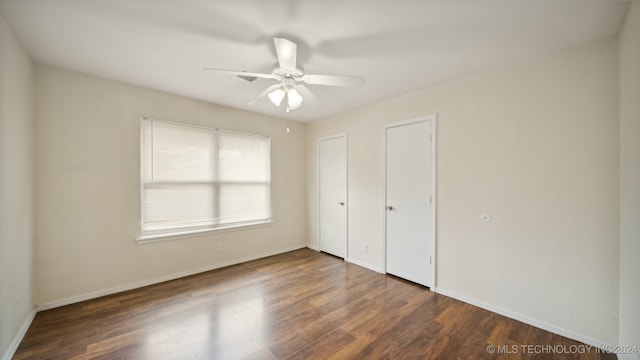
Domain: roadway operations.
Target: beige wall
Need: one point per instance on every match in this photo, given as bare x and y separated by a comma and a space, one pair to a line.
630, 180
16, 188
533, 144
87, 188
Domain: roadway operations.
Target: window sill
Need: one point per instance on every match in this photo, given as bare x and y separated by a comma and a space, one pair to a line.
174, 235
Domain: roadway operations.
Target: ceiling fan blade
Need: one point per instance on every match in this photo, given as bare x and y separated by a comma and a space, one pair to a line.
333, 80
243, 73
307, 95
287, 53
264, 93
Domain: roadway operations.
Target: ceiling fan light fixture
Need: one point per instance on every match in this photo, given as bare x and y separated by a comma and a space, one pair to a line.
291, 78
294, 100
276, 96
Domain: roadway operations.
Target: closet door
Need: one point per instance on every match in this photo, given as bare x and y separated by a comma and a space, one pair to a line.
332, 184
409, 241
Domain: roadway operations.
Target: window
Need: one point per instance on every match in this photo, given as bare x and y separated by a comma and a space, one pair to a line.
196, 179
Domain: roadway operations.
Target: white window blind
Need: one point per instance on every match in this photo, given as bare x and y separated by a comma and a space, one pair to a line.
196, 178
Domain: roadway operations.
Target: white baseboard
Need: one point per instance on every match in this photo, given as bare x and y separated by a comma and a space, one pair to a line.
525, 319
364, 265
350, 260
160, 279
13, 346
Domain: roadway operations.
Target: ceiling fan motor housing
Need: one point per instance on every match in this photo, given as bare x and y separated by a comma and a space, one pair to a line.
287, 73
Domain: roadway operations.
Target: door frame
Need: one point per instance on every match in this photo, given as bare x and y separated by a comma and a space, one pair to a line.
432, 119
346, 140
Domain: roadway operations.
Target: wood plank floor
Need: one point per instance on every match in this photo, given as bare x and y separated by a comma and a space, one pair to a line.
298, 305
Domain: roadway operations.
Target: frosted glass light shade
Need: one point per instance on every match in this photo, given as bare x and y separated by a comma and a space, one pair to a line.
276, 96
294, 99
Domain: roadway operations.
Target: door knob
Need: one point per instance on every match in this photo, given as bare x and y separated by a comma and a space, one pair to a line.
341, 203
389, 207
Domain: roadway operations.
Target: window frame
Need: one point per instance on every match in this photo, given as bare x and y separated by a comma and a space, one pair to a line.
175, 233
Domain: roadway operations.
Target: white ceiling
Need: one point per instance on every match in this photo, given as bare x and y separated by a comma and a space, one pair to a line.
399, 46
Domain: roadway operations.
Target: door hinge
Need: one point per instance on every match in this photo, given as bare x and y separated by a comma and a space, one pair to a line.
429, 260
430, 199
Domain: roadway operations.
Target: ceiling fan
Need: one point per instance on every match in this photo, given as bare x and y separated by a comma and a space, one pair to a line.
291, 78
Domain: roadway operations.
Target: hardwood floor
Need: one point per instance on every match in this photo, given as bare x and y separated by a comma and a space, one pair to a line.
298, 305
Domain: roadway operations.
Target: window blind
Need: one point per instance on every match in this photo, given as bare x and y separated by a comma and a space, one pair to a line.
198, 178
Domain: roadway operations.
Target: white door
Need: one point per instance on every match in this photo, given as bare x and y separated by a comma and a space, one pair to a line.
332, 184
409, 229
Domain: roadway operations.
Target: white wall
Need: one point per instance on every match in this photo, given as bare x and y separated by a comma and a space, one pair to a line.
16, 189
88, 196
533, 144
630, 180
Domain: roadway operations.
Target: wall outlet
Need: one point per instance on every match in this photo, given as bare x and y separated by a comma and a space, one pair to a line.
365, 248
218, 248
